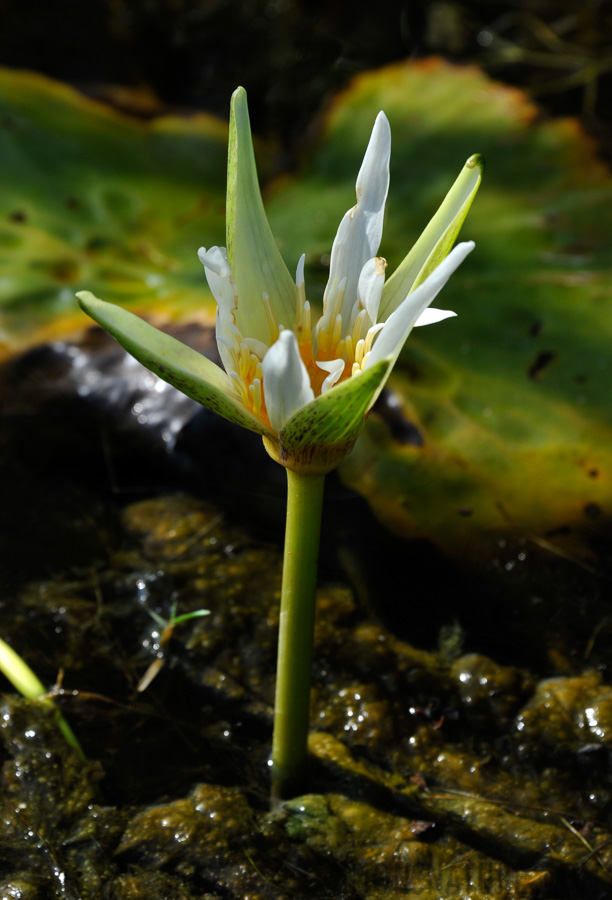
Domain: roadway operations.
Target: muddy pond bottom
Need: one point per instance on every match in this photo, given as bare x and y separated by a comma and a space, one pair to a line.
430, 776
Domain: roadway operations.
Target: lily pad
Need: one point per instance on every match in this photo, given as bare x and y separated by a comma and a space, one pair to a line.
501, 417
511, 400
92, 198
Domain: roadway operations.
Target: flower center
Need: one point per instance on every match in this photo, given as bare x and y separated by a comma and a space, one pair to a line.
326, 343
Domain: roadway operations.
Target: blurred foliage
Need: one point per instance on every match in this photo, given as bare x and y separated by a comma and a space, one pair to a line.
502, 417
511, 400
292, 55
92, 198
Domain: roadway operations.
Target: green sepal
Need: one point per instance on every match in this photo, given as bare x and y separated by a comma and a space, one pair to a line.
181, 366
436, 241
257, 265
318, 437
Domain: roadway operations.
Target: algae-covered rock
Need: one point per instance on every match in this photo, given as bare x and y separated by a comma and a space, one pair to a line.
420, 785
190, 835
358, 710
519, 837
47, 794
568, 713
386, 853
491, 694
46, 779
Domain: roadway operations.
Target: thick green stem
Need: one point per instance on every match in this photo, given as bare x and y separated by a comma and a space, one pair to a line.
291, 706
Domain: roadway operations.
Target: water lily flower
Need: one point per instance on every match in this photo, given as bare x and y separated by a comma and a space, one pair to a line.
304, 384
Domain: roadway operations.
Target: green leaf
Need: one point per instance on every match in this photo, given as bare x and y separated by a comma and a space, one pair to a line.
437, 239
94, 199
512, 398
321, 434
179, 365
257, 266
186, 617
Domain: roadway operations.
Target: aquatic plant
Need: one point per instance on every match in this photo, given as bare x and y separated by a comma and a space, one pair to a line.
21, 676
305, 386
167, 627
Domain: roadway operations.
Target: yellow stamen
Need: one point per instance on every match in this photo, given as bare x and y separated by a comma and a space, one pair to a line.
357, 327
255, 391
359, 350
240, 388
372, 332
347, 353
336, 333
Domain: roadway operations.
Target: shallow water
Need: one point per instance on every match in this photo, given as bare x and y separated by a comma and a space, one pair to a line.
461, 721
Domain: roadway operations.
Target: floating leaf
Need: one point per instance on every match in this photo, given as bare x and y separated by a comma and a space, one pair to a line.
94, 199
512, 398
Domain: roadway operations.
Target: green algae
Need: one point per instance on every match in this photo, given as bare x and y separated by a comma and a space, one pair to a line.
430, 779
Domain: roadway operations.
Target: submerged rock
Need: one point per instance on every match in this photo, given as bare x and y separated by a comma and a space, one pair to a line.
429, 778
568, 714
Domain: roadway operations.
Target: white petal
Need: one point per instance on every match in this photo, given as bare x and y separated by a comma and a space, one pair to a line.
219, 276
398, 326
228, 338
436, 240
360, 231
431, 316
215, 259
286, 383
371, 283
335, 367
299, 272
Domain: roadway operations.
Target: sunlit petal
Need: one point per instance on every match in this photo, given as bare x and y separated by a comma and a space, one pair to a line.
219, 276
174, 362
398, 326
286, 382
431, 316
437, 239
215, 259
370, 287
360, 231
335, 367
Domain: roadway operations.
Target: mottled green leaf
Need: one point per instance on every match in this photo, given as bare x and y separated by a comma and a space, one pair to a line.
94, 199
512, 398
